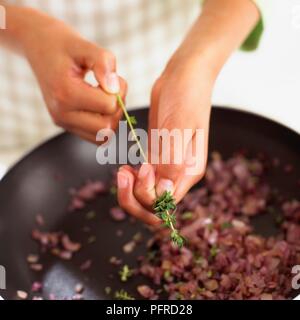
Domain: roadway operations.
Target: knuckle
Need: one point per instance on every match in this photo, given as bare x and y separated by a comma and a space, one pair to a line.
58, 116
107, 54
61, 93
171, 172
111, 106
143, 197
58, 119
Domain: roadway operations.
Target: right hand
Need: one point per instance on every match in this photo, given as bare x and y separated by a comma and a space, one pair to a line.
181, 99
60, 59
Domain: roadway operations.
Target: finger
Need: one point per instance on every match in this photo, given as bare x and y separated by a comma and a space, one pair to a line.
114, 119
87, 136
83, 135
172, 150
105, 72
130, 169
82, 96
89, 123
102, 62
127, 200
195, 163
144, 189
186, 183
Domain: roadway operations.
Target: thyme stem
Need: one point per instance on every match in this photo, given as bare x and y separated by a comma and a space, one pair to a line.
171, 223
165, 203
122, 105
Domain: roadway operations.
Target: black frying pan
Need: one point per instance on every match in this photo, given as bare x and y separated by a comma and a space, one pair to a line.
40, 182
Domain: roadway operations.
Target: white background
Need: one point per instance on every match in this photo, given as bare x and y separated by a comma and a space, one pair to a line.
268, 81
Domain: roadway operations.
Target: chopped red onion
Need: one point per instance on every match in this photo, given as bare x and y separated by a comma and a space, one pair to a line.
117, 214
23, 295
223, 258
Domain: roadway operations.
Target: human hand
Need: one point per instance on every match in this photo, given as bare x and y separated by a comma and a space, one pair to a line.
181, 99
60, 59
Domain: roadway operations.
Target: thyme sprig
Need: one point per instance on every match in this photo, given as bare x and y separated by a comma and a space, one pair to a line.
131, 122
123, 295
164, 206
125, 273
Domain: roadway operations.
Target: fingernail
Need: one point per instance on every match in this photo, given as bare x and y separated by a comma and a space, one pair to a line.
112, 83
144, 170
122, 180
163, 186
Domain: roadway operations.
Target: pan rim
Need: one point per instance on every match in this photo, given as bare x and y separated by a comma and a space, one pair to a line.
234, 109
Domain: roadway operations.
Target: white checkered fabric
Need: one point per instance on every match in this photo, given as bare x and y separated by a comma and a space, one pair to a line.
142, 34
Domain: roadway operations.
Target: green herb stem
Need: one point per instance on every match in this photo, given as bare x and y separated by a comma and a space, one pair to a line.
171, 223
164, 205
164, 208
122, 105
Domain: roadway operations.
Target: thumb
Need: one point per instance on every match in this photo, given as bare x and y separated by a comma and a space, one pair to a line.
102, 62
105, 72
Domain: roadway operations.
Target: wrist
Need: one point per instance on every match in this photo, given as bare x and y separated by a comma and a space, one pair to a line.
195, 65
22, 26
216, 34
189, 79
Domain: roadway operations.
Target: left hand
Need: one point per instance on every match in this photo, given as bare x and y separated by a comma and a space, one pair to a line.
181, 99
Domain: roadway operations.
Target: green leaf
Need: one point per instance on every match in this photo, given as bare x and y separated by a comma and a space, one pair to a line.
187, 216
133, 120
164, 216
177, 238
107, 290
179, 296
214, 251
125, 273
226, 225
123, 295
165, 207
91, 215
173, 218
252, 42
198, 259
210, 227
167, 275
113, 190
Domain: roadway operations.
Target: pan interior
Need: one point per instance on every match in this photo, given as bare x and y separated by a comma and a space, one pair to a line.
40, 183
